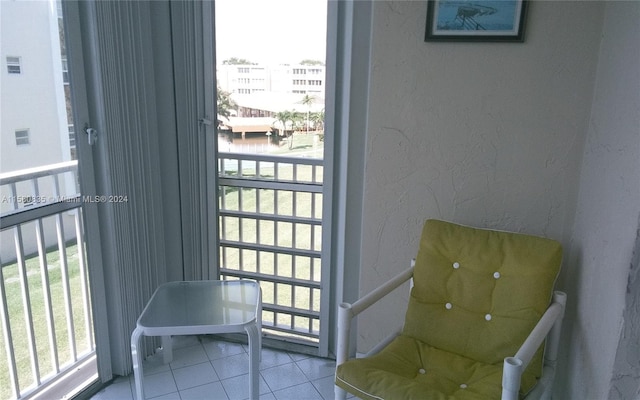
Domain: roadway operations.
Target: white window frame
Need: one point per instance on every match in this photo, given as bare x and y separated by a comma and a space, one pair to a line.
14, 65
21, 135
65, 71
72, 136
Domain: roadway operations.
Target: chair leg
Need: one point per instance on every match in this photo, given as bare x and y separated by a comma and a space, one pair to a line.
342, 354
340, 394
511, 375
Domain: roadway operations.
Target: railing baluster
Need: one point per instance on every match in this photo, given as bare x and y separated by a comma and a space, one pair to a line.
46, 292
222, 206
312, 229
6, 322
14, 195
257, 222
276, 196
26, 304
310, 320
6, 331
240, 220
292, 319
64, 271
84, 281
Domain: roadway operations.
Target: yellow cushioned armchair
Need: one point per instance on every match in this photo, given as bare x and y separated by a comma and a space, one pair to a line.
481, 305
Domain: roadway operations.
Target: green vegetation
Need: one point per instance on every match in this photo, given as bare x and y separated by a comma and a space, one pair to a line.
311, 62
308, 101
40, 324
288, 120
237, 61
305, 145
225, 104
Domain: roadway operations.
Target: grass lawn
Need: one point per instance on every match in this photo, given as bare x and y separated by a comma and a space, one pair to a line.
307, 145
13, 290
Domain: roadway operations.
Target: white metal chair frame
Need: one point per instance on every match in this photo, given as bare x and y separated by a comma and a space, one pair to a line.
548, 327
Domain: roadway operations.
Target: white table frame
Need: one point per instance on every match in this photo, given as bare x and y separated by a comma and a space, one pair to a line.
252, 325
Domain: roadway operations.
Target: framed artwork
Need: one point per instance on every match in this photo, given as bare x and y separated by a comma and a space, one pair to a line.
476, 20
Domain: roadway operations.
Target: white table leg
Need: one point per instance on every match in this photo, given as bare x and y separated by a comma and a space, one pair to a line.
259, 321
136, 355
254, 360
167, 349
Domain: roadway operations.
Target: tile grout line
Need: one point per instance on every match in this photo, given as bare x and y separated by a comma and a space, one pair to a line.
307, 370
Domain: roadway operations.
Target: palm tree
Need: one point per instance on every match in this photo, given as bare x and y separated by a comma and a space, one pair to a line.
318, 120
297, 120
308, 101
284, 117
225, 103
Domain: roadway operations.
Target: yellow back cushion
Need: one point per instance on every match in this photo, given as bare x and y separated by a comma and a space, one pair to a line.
479, 293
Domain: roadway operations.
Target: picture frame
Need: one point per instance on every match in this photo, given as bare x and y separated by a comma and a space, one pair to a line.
476, 20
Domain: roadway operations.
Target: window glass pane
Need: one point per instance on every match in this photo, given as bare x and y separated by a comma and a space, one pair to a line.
22, 137
13, 65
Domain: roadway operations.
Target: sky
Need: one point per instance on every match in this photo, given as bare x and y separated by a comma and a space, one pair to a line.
271, 31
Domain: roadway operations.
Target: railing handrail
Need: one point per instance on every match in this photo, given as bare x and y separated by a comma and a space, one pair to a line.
38, 211
37, 172
271, 217
270, 158
279, 184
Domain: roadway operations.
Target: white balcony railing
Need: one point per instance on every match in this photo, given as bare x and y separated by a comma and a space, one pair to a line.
45, 312
270, 230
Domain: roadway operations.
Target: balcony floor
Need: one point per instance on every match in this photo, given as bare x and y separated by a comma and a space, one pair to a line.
207, 368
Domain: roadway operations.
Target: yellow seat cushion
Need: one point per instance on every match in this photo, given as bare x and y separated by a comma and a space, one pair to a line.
409, 369
477, 295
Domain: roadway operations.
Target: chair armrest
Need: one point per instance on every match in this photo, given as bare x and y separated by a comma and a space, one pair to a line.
378, 293
549, 325
553, 314
347, 311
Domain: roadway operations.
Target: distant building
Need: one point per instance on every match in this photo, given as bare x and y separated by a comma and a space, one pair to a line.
34, 127
267, 104
247, 79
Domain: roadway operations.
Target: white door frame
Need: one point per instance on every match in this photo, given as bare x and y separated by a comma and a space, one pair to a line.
74, 33
347, 104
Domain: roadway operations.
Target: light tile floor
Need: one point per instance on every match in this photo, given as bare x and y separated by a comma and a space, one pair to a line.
207, 368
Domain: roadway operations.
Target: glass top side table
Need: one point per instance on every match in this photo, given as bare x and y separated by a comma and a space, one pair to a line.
200, 307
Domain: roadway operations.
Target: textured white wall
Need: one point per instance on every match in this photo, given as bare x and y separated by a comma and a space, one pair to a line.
484, 134
607, 216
